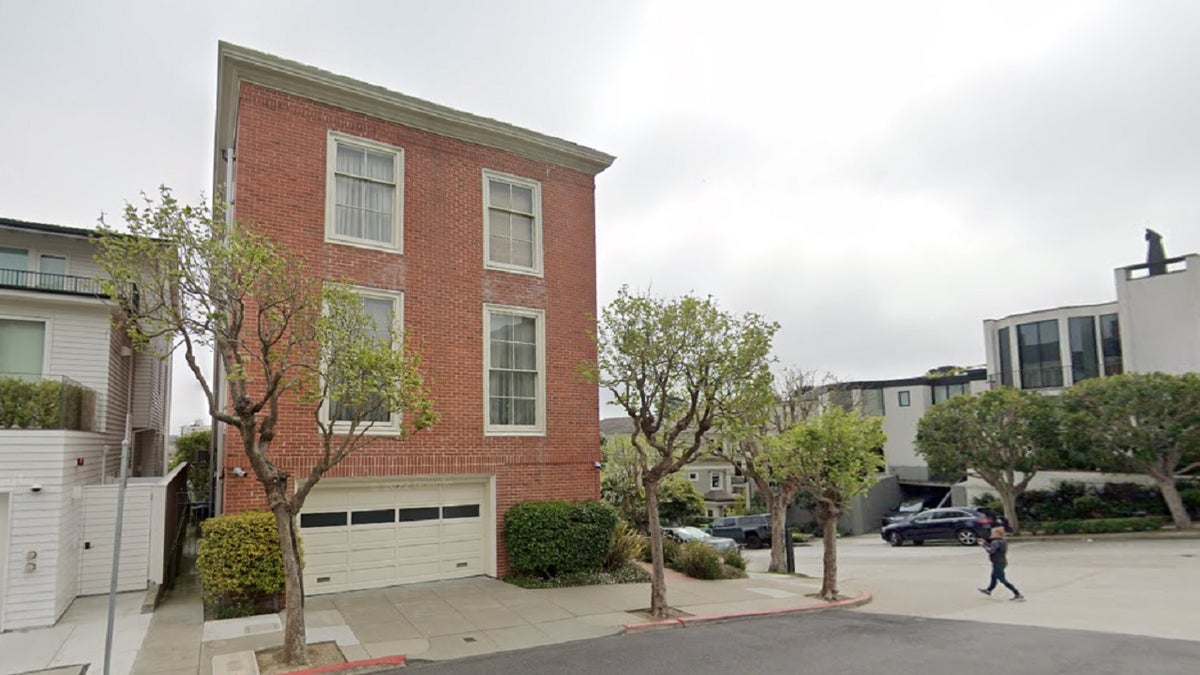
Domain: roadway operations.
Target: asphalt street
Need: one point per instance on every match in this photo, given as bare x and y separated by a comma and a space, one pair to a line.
845, 642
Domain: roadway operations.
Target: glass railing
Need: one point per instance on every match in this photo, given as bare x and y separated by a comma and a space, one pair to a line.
29, 401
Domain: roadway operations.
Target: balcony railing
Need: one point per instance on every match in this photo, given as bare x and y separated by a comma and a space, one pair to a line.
57, 283
45, 402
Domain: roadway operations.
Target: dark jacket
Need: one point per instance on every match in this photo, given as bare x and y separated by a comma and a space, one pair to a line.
997, 550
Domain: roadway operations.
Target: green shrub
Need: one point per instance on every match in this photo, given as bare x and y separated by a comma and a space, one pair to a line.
239, 561
1101, 525
547, 539
734, 559
29, 403
700, 562
626, 547
672, 550
1089, 506
1191, 499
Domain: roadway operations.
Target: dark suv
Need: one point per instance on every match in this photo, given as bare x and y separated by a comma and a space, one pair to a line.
966, 526
753, 531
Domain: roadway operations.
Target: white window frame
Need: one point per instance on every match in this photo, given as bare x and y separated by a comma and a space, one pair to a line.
536, 269
393, 426
693, 476
331, 236
538, 429
714, 481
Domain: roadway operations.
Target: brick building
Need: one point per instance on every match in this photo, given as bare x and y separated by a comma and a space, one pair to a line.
480, 237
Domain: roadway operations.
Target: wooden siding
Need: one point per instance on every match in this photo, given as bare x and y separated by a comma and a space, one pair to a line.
45, 522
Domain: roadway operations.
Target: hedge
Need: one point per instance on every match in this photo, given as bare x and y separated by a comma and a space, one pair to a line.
1099, 525
552, 538
239, 561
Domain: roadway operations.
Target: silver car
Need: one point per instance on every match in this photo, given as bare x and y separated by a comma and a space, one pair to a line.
686, 534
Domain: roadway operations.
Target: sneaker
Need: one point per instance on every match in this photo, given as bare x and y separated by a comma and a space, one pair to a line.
1018, 598
985, 591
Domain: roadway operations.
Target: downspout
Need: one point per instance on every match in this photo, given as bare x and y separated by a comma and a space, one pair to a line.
218, 438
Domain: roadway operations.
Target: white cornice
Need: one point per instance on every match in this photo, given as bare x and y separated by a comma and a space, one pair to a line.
239, 64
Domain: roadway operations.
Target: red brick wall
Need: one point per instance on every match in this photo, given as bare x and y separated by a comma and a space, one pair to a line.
280, 186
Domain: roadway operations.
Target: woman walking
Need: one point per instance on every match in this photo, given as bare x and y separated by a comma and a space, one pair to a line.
997, 550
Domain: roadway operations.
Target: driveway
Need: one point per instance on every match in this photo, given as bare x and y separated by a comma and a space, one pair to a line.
1147, 587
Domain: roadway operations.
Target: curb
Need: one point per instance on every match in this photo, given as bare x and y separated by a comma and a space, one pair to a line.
857, 601
1166, 535
396, 661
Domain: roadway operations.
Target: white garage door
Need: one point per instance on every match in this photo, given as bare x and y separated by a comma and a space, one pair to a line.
368, 536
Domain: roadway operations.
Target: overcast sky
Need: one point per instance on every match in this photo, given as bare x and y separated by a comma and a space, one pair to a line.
876, 177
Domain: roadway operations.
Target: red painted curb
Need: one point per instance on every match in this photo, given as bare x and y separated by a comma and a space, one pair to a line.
653, 625
398, 660
857, 601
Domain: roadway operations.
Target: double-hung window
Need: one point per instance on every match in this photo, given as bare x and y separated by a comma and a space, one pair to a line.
385, 310
364, 193
512, 223
514, 371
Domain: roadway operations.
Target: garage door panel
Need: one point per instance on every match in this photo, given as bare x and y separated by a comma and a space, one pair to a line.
326, 500
418, 552
325, 582
427, 571
460, 548
372, 536
461, 568
326, 561
461, 530
324, 540
373, 497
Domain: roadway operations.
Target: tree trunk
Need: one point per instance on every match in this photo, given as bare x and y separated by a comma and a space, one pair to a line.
779, 504
829, 516
295, 639
1170, 495
658, 582
1009, 501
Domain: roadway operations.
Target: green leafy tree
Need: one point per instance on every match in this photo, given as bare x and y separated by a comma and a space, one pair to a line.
279, 334
1004, 436
793, 398
621, 485
1143, 422
188, 448
678, 368
833, 457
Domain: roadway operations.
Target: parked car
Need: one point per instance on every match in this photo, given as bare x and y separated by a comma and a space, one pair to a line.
911, 507
966, 526
686, 534
753, 531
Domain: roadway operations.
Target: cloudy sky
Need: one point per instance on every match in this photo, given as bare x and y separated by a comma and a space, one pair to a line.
877, 177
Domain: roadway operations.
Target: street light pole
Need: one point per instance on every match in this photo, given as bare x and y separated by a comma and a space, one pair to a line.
116, 559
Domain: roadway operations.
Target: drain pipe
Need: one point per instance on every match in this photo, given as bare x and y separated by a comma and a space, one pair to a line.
123, 481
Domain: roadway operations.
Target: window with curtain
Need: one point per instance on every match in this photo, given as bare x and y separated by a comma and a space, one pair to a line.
515, 364
367, 185
22, 346
942, 392
512, 223
383, 311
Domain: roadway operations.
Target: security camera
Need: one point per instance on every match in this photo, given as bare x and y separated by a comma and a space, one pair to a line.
35, 488
597, 464
239, 472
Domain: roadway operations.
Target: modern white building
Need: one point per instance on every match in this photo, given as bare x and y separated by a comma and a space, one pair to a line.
68, 378
1153, 325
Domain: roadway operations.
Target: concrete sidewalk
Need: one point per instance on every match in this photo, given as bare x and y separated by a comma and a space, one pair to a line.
77, 640
453, 619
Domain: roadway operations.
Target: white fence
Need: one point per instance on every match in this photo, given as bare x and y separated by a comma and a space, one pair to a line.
151, 516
